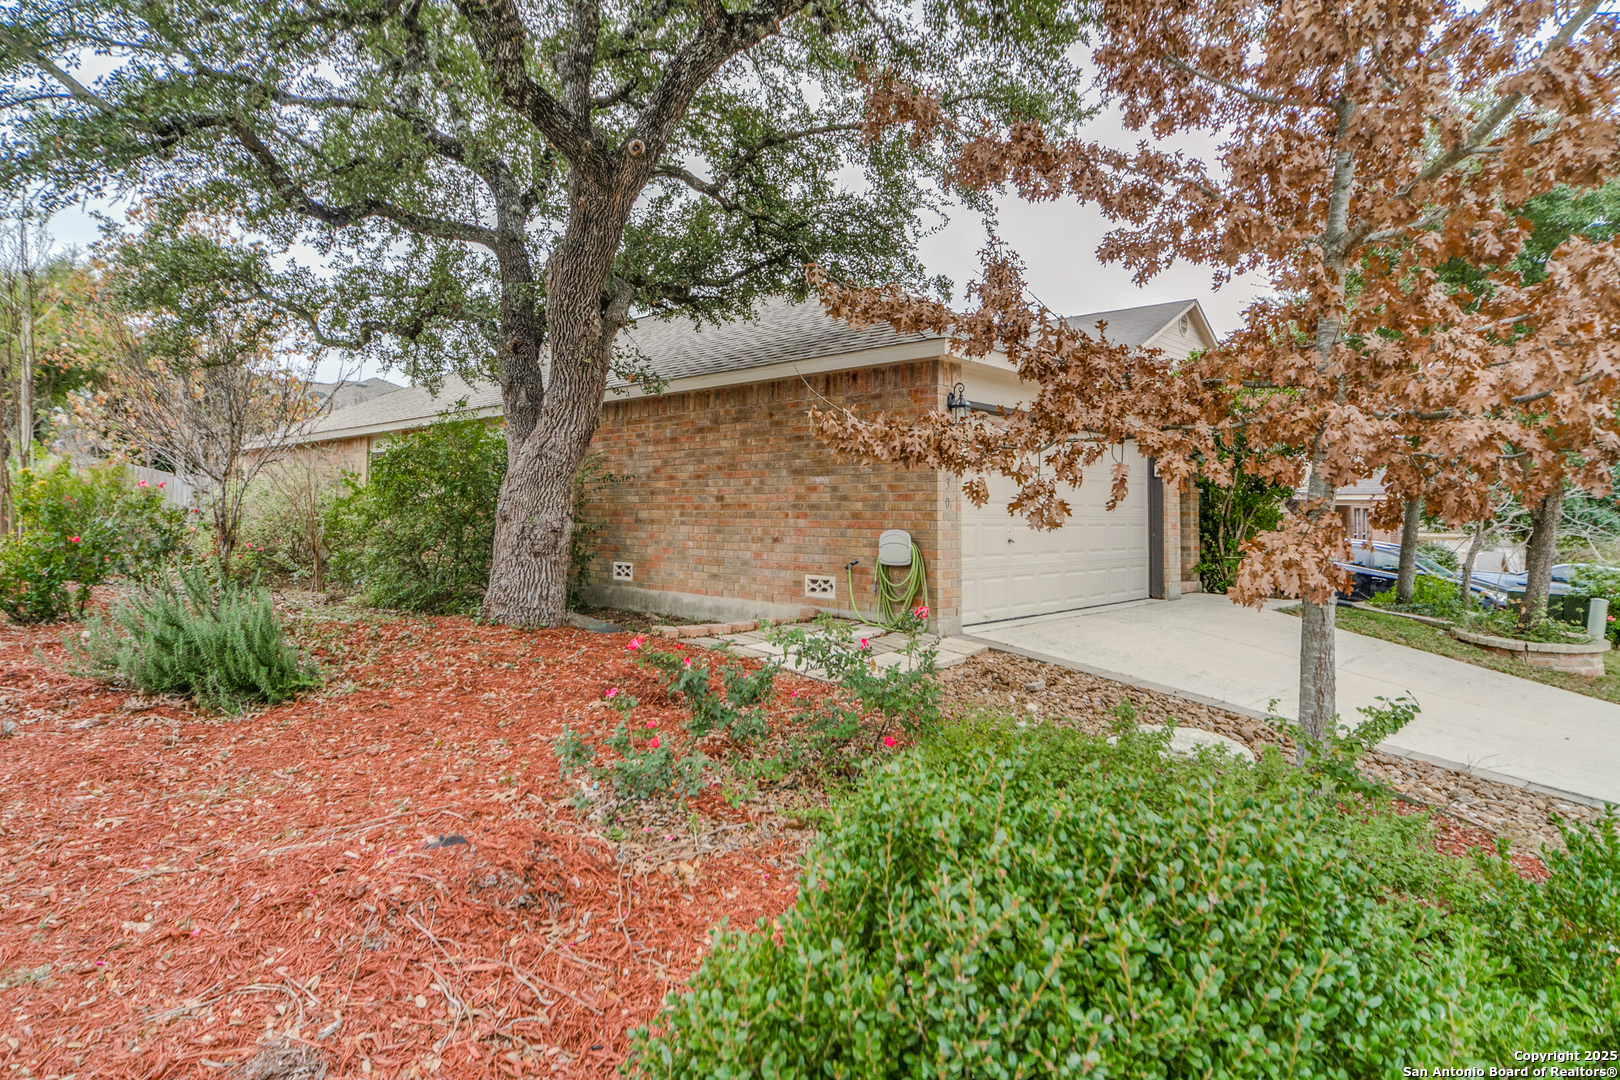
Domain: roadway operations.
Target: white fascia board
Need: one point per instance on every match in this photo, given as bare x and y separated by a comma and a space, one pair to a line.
879, 357
1148, 344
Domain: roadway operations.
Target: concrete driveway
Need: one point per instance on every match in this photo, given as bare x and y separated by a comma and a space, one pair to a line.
1208, 648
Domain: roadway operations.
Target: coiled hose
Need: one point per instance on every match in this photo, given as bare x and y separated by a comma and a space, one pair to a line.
895, 598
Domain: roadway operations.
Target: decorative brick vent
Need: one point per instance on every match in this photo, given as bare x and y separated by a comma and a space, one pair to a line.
820, 585
623, 571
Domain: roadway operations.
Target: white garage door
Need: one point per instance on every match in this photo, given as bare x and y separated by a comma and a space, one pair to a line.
1099, 557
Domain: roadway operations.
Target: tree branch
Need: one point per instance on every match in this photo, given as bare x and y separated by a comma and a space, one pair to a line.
1252, 95
500, 37
298, 199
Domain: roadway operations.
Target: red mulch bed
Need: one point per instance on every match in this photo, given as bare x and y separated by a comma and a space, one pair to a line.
177, 889
389, 877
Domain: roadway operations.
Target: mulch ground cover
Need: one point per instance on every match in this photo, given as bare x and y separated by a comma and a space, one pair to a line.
386, 879
390, 878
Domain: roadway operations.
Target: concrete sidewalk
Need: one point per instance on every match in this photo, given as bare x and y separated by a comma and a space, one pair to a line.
1207, 647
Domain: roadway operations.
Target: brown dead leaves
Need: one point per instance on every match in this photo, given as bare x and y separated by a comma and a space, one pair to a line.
1368, 149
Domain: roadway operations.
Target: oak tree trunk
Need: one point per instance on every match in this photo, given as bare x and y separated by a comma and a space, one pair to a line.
1467, 584
1318, 659
1540, 554
550, 420
1406, 575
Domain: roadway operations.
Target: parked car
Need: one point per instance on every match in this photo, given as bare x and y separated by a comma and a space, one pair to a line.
1375, 570
1562, 575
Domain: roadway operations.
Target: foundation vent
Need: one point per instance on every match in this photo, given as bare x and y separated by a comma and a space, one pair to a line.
624, 571
820, 585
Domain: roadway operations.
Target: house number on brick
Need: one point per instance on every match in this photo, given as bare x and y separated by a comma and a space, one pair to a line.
820, 585
624, 571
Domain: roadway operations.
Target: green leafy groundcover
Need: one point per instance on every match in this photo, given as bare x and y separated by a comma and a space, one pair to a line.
1046, 904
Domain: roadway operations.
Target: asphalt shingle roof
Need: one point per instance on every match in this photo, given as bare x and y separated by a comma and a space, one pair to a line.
1132, 325
781, 332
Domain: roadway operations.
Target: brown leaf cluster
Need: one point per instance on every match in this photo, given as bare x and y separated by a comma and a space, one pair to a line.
1367, 147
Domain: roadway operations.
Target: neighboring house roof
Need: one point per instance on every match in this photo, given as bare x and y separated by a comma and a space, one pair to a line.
349, 392
781, 332
411, 406
1370, 487
1137, 325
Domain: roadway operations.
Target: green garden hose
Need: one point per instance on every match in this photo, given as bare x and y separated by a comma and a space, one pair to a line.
895, 599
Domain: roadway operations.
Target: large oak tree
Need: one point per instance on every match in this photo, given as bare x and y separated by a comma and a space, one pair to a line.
496, 188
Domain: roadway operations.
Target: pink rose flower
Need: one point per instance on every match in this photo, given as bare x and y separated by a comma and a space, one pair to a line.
864, 645
141, 483
687, 662
921, 611
635, 643
652, 723
652, 744
73, 539
613, 692
888, 740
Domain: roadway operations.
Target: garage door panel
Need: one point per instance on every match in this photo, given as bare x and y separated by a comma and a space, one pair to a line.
1098, 557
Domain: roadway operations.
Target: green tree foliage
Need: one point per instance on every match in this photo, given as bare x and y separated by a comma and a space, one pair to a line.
222, 645
494, 188
1231, 514
77, 528
416, 534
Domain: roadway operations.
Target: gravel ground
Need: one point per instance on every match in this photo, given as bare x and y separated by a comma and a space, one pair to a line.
1030, 688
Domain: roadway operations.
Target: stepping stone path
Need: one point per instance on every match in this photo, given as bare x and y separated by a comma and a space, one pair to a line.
1187, 741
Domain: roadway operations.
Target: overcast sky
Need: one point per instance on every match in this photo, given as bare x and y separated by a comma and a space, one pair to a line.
1057, 241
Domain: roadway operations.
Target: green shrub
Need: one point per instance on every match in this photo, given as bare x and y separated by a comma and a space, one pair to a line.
905, 694
1440, 554
738, 711
418, 533
223, 645
1562, 935
1432, 596
1034, 911
78, 529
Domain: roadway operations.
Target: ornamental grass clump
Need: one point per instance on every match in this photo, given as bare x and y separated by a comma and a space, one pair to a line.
221, 644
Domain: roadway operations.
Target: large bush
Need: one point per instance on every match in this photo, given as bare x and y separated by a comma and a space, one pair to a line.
77, 528
1006, 904
418, 533
221, 644
975, 918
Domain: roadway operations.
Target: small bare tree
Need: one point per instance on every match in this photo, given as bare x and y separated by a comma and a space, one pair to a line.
215, 408
306, 481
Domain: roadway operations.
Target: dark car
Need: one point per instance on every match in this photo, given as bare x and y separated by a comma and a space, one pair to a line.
1375, 570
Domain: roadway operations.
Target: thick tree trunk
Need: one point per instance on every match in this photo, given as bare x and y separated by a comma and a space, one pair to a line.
1318, 657
1406, 576
1540, 554
1467, 584
534, 517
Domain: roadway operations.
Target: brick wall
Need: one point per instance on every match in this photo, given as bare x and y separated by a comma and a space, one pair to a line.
730, 500
1191, 545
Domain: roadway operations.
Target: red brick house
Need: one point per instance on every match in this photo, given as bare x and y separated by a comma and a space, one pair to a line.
731, 508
